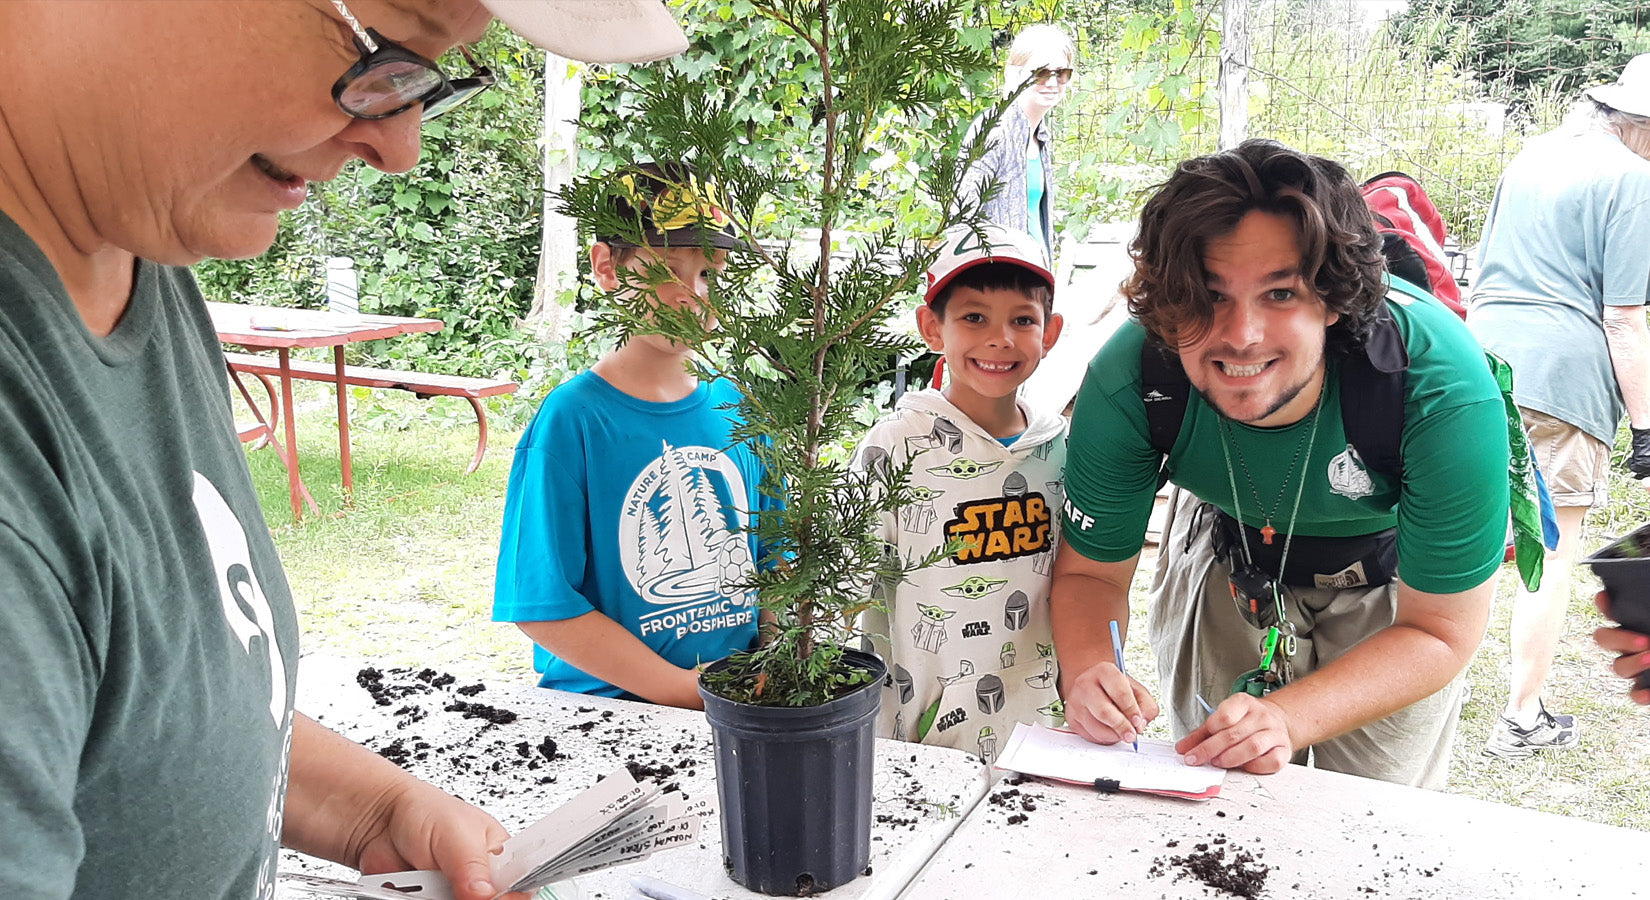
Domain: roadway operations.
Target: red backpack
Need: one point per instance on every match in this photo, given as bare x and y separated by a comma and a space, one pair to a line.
1413, 236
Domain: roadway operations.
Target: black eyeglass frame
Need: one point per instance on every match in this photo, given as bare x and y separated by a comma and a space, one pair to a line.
1041, 73
376, 50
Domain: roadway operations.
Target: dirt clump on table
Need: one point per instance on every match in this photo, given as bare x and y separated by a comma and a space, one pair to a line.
385, 693
1225, 867
481, 711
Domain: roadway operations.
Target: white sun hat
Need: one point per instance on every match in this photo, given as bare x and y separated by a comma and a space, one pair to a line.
1631, 92
597, 31
966, 248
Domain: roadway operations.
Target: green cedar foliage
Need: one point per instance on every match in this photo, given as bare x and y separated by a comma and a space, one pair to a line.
803, 314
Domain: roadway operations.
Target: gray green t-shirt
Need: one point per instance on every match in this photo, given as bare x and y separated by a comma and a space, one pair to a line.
1450, 509
148, 645
1568, 234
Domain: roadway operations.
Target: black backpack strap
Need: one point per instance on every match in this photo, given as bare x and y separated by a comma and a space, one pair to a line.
1164, 389
1372, 396
1403, 261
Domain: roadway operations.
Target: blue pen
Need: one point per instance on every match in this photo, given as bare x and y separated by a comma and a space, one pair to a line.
1117, 648
1205, 704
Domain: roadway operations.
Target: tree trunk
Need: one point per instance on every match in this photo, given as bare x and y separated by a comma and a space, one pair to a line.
1234, 73
559, 247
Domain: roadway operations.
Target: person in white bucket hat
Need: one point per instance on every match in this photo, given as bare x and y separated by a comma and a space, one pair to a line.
1560, 294
150, 747
1631, 91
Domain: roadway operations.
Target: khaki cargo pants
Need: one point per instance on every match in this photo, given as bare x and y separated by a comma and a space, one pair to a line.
1203, 644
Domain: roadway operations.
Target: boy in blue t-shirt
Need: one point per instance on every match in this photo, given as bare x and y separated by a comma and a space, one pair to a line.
623, 553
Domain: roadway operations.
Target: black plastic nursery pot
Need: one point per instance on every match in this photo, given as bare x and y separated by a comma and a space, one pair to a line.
1624, 567
795, 786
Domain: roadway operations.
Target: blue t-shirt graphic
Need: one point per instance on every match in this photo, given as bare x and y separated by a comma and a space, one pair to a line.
633, 509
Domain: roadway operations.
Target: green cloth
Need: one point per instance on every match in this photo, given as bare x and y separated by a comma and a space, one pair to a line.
1450, 509
1526, 506
148, 645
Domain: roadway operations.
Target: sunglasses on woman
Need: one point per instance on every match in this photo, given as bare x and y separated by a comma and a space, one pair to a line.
389, 79
1042, 73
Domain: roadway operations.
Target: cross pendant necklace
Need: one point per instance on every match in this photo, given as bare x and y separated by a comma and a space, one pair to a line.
1308, 437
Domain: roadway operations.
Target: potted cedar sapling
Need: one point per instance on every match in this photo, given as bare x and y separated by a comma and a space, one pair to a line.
800, 331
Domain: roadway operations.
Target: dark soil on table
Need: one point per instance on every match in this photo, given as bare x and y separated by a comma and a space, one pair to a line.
508, 758
1017, 803
423, 695
1225, 867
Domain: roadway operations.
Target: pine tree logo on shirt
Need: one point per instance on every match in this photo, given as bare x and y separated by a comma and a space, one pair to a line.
1348, 476
680, 535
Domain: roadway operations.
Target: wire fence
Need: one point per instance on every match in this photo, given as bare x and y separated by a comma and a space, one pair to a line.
1446, 90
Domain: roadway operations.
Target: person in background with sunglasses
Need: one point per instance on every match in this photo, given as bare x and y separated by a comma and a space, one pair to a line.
1019, 155
148, 641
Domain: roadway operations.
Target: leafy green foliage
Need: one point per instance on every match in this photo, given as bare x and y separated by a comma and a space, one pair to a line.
1141, 101
770, 85
804, 311
1529, 47
456, 239
1391, 109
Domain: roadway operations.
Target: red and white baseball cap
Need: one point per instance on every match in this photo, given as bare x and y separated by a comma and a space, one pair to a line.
967, 247
597, 31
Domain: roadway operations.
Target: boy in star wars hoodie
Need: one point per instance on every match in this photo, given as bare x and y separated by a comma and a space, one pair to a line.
969, 646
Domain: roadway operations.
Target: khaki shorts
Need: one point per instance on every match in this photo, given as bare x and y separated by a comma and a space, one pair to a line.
1202, 644
1574, 464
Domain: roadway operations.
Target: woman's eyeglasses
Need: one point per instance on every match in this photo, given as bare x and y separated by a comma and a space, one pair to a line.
1041, 74
389, 79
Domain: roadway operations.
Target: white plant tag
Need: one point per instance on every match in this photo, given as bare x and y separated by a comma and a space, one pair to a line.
411, 885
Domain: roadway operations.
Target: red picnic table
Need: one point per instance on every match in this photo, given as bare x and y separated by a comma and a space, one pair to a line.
283, 328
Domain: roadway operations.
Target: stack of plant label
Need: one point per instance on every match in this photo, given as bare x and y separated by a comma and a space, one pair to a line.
615, 821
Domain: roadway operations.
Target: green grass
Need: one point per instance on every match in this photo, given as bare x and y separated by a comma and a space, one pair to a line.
404, 576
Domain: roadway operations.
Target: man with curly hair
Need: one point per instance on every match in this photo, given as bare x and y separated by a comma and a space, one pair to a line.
1277, 594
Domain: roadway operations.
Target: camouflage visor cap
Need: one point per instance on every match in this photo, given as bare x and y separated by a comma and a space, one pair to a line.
672, 213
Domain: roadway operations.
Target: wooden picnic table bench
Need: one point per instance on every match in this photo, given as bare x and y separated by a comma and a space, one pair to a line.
422, 385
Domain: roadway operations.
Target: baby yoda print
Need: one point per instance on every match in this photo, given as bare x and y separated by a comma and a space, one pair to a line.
988, 745
929, 633
974, 587
964, 468
920, 515
1055, 711
965, 487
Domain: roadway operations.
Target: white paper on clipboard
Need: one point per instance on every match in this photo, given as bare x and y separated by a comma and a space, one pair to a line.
1063, 755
